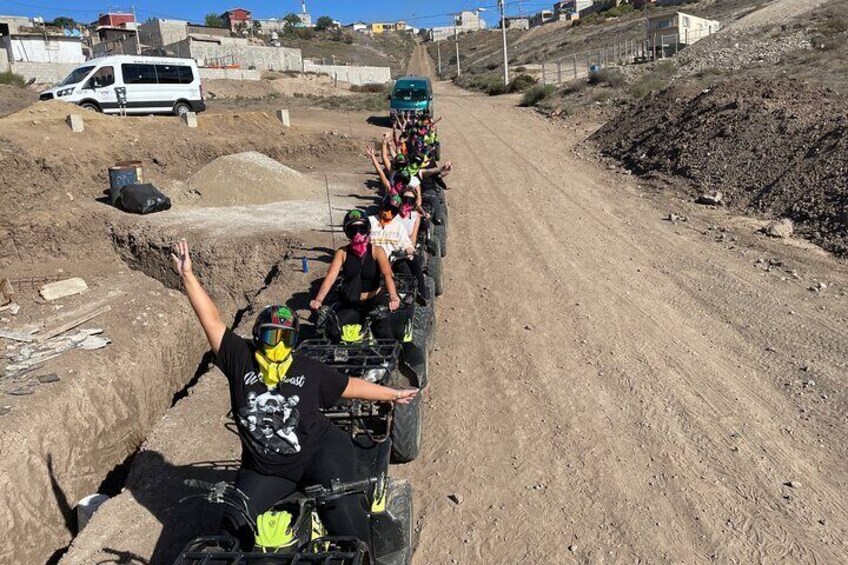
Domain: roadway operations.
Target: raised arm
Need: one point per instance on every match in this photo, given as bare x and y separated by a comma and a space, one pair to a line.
387, 159
386, 270
363, 390
414, 235
369, 152
329, 280
204, 308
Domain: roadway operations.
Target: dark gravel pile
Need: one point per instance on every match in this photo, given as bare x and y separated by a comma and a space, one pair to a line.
776, 148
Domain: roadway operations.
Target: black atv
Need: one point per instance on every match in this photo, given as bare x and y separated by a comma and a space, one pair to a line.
375, 360
291, 531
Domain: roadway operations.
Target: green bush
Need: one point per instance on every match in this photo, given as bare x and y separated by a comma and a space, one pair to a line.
574, 87
521, 83
657, 79
496, 87
611, 77
537, 94
617, 11
12, 79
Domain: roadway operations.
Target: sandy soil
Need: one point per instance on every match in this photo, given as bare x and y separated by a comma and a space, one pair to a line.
609, 387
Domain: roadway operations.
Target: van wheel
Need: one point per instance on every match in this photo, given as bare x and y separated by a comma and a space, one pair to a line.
90, 106
181, 109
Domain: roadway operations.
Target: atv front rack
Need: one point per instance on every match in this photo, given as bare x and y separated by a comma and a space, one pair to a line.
218, 550
353, 359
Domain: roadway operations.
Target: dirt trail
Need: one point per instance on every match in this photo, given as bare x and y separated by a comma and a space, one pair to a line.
633, 391
777, 13
607, 388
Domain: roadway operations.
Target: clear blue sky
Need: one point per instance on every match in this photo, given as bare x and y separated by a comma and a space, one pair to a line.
416, 13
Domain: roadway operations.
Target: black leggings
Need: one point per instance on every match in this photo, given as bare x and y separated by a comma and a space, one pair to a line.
357, 313
333, 459
413, 267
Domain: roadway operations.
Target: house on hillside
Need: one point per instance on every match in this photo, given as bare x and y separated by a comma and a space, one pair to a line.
668, 32
359, 27
541, 18
572, 9
114, 33
517, 22
237, 18
158, 33
464, 21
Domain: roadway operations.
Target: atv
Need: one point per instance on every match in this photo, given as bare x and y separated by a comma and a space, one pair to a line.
292, 531
377, 361
434, 203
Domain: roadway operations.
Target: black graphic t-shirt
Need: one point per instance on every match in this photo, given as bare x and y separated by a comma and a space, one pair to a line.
280, 427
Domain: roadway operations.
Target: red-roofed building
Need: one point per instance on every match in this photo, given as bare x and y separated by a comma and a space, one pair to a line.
233, 18
116, 20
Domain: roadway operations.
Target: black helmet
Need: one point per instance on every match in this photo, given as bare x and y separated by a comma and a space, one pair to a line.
391, 201
275, 324
355, 222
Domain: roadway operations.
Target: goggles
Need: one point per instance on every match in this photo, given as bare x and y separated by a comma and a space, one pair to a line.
271, 335
409, 199
357, 228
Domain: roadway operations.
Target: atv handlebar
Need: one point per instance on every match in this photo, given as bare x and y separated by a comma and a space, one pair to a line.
338, 489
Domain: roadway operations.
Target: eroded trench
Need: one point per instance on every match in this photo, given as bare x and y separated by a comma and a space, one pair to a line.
106, 421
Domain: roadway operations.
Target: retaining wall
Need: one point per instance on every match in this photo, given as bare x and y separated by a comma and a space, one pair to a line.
43, 73
247, 56
234, 74
351, 74
4, 61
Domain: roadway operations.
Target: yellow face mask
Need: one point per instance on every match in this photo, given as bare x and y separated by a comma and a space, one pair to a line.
274, 363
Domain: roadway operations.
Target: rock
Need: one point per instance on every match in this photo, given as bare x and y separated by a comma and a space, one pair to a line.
818, 287
674, 218
49, 378
781, 228
572, 548
713, 198
528, 327
792, 484
456, 498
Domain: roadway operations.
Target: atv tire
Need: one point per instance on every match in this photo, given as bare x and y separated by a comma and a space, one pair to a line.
434, 268
407, 430
400, 507
441, 232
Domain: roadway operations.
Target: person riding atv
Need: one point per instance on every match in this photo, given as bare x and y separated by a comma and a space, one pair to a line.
361, 263
277, 397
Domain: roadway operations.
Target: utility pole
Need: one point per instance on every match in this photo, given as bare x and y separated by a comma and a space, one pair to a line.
456, 42
503, 29
439, 53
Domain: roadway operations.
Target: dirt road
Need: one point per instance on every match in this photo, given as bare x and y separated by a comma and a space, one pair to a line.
610, 387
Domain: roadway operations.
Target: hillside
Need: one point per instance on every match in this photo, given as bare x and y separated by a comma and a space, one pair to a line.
390, 49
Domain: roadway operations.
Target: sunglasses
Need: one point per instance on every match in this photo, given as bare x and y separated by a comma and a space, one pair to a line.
356, 229
274, 335
409, 200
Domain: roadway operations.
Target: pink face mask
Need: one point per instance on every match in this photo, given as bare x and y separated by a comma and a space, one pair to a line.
406, 210
359, 244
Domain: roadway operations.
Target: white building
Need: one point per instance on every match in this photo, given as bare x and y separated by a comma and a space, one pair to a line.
30, 45
669, 31
464, 21
360, 27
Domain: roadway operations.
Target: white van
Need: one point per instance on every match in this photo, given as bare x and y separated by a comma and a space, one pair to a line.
136, 85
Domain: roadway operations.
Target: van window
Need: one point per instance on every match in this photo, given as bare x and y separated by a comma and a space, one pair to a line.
105, 76
416, 94
76, 75
174, 74
138, 74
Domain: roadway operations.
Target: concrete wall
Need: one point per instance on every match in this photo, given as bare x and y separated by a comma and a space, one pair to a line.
158, 33
351, 74
4, 60
37, 49
15, 23
43, 73
233, 74
243, 54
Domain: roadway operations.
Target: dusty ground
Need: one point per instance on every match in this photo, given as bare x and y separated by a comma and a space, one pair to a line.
609, 386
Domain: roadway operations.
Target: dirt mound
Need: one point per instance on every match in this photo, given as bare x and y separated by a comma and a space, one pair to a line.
13, 98
773, 147
250, 178
52, 109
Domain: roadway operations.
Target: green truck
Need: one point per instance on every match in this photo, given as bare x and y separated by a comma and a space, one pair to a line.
411, 95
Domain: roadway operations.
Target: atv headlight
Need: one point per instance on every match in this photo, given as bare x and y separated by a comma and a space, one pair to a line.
374, 375
65, 92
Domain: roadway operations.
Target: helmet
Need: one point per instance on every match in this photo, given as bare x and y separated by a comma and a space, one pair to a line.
274, 325
391, 201
354, 222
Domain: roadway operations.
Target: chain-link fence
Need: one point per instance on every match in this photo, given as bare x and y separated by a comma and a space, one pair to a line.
580, 65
